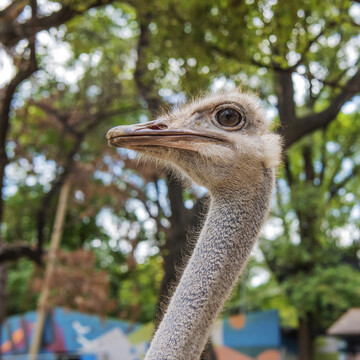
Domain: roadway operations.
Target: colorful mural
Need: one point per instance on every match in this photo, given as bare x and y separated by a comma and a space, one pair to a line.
240, 337
251, 336
74, 332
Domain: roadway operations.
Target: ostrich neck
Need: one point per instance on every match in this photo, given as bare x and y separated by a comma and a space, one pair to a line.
223, 248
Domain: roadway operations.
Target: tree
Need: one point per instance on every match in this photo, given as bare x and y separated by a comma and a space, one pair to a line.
281, 42
269, 46
18, 27
79, 112
303, 43
317, 200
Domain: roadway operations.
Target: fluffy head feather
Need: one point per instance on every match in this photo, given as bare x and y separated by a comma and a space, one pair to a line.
193, 141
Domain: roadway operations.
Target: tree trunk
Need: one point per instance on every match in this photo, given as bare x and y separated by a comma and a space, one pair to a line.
174, 248
305, 347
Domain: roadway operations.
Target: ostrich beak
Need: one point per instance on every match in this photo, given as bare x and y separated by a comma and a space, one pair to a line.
154, 133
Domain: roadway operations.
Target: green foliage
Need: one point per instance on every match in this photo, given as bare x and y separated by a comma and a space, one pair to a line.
326, 293
20, 222
140, 289
312, 269
315, 257
268, 295
18, 287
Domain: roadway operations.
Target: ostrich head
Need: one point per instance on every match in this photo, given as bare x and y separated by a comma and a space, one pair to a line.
219, 141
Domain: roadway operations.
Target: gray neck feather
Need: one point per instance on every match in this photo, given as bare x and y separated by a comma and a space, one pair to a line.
224, 246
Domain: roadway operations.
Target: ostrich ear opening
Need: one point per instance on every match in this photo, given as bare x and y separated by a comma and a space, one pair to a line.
272, 150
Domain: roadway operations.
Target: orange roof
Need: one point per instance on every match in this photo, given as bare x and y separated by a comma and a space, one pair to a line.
348, 324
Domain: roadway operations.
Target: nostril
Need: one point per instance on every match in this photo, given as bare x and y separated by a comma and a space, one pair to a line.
158, 127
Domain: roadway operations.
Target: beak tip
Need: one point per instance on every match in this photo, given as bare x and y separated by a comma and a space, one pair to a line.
108, 134
114, 132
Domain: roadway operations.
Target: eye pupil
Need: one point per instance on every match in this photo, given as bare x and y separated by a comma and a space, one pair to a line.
228, 117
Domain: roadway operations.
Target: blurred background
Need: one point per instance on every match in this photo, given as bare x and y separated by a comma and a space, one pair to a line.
90, 238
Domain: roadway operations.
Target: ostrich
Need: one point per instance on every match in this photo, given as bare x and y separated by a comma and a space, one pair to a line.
221, 142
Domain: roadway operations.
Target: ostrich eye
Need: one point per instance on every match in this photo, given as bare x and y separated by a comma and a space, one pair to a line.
228, 117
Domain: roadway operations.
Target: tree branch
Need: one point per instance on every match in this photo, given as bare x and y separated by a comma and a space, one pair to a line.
13, 10
16, 251
346, 153
115, 112
300, 127
335, 188
57, 114
323, 156
285, 95
308, 164
287, 168
144, 86
44, 209
6, 96
11, 32
328, 26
